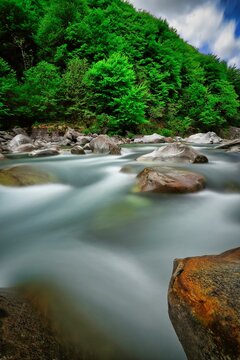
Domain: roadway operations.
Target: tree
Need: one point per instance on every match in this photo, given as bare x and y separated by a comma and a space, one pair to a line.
74, 89
8, 83
114, 92
16, 40
39, 95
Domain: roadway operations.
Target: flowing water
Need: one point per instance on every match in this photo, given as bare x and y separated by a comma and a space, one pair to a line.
111, 249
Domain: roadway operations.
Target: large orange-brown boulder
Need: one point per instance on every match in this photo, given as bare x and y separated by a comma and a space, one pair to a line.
204, 305
167, 180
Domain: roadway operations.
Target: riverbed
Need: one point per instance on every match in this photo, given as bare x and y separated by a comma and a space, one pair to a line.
110, 248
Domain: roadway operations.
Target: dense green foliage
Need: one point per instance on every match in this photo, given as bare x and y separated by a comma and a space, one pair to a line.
106, 67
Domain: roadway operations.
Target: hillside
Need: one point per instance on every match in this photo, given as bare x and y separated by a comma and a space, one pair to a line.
106, 67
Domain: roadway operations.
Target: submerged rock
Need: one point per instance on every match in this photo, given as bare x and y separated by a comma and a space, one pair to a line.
103, 144
41, 323
166, 180
204, 138
24, 175
17, 141
176, 152
77, 150
204, 305
150, 139
23, 333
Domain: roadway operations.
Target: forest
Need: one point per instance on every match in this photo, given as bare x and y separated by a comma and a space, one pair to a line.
105, 67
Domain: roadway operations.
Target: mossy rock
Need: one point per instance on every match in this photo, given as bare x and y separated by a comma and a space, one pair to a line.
24, 175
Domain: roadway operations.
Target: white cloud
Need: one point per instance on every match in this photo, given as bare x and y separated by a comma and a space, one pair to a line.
200, 26
201, 23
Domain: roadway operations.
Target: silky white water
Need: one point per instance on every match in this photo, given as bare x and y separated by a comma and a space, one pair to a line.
111, 249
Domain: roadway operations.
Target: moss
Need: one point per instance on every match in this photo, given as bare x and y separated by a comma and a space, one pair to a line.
24, 175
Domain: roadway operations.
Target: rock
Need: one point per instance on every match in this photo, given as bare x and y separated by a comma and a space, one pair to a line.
24, 175
41, 322
25, 148
45, 152
18, 130
77, 150
6, 136
150, 139
103, 144
167, 180
17, 141
23, 333
207, 138
232, 146
2, 156
87, 147
83, 140
233, 132
204, 305
176, 152
72, 134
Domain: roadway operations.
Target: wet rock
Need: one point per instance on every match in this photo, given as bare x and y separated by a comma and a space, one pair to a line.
23, 333
167, 180
207, 138
25, 148
6, 135
83, 140
17, 141
45, 152
204, 305
24, 175
72, 134
77, 150
150, 139
232, 146
103, 144
18, 130
176, 152
233, 132
87, 147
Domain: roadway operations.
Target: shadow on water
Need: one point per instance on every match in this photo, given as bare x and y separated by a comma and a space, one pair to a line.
110, 249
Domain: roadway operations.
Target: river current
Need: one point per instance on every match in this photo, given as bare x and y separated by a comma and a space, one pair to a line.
111, 249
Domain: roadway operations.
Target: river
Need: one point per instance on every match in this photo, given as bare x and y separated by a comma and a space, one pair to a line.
111, 249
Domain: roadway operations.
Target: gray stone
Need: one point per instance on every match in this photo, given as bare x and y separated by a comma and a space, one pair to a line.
87, 147
25, 148
176, 152
17, 141
77, 150
18, 130
45, 152
150, 139
83, 140
231, 146
204, 138
72, 134
103, 144
167, 180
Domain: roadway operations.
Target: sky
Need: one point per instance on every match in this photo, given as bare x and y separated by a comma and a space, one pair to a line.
212, 26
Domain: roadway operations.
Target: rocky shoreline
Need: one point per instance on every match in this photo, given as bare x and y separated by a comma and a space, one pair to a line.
43, 142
